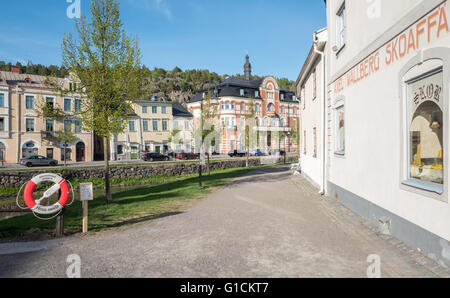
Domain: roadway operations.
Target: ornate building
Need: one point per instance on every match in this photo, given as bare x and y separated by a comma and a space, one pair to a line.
275, 121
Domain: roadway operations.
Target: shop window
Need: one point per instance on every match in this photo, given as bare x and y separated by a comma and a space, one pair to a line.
340, 130
426, 128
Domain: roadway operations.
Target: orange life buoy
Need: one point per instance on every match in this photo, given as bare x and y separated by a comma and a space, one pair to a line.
60, 184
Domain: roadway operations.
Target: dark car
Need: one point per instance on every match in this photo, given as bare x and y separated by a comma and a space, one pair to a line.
237, 153
155, 157
188, 156
257, 152
38, 161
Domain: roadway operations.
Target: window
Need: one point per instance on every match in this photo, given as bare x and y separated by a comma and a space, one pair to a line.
155, 110
50, 153
29, 124
256, 94
120, 149
232, 105
67, 105
78, 126
270, 108
340, 130
270, 95
145, 125
314, 84
2, 124
282, 123
341, 27
186, 125
68, 155
282, 96
227, 106
426, 128
223, 107
242, 92
165, 126
282, 109
242, 106
29, 102
49, 102
164, 110
68, 125
2, 100
77, 105
144, 109
155, 125
131, 126
256, 108
49, 126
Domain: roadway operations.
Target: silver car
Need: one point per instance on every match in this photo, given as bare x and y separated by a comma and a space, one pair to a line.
38, 161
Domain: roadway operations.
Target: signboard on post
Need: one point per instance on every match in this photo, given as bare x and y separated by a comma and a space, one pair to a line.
86, 195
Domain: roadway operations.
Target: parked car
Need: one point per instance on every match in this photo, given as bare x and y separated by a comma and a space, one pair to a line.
237, 153
155, 157
38, 161
188, 156
172, 155
257, 152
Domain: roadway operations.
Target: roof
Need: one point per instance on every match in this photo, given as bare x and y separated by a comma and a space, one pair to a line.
232, 86
179, 111
15, 79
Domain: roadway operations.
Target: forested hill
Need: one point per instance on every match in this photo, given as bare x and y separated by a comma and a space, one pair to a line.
175, 85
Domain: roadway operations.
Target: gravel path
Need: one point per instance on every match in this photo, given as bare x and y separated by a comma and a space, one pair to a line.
265, 224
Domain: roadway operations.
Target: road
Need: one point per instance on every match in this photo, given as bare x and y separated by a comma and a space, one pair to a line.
265, 224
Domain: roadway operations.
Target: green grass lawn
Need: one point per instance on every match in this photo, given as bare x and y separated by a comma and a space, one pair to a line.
139, 204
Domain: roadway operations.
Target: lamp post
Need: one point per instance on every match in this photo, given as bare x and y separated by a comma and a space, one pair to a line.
201, 161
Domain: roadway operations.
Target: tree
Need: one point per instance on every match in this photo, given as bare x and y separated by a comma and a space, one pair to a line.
65, 137
106, 64
209, 118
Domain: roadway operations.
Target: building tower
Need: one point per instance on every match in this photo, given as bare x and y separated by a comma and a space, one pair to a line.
247, 68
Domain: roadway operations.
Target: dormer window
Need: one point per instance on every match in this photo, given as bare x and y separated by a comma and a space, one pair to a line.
242, 92
28, 81
282, 96
256, 94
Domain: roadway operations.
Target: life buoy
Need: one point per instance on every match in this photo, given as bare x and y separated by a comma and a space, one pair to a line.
60, 184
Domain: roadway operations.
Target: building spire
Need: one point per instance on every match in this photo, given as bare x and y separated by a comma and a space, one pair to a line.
247, 68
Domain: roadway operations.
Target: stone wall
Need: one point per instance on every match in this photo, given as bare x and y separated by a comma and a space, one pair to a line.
17, 179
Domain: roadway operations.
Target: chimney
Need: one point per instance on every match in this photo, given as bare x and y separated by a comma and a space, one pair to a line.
15, 69
247, 68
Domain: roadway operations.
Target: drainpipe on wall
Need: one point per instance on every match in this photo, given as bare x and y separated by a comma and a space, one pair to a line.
322, 55
19, 118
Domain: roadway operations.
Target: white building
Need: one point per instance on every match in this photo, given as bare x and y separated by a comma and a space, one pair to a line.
388, 116
310, 88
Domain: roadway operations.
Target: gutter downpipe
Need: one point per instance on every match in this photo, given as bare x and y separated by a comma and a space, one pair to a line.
322, 55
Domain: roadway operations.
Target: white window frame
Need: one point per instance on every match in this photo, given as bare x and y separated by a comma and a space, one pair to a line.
34, 124
341, 27
340, 105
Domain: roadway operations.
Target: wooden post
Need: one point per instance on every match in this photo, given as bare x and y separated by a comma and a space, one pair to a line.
85, 216
60, 223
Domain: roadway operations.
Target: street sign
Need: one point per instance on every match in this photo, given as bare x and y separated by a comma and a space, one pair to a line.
86, 191
86, 195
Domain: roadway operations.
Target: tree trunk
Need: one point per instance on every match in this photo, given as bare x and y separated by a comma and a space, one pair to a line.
209, 168
107, 181
65, 155
247, 145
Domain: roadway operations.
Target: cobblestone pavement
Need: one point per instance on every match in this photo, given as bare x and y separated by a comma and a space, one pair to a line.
265, 224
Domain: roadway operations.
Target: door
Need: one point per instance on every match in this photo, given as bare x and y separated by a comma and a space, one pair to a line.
81, 152
157, 149
50, 153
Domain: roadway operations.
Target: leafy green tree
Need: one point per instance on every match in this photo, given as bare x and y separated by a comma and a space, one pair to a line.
106, 64
209, 118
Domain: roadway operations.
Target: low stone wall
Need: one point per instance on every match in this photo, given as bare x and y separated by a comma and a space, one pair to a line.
17, 179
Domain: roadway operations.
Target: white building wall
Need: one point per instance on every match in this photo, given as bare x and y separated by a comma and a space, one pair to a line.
373, 167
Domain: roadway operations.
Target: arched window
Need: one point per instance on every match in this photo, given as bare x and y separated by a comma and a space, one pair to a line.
282, 123
227, 105
426, 129
270, 108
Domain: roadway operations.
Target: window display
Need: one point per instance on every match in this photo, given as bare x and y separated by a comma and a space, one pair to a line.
426, 128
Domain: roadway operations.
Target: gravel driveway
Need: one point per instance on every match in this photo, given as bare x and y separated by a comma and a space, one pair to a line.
265, 224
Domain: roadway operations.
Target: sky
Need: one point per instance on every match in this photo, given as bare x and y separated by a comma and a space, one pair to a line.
190, 34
